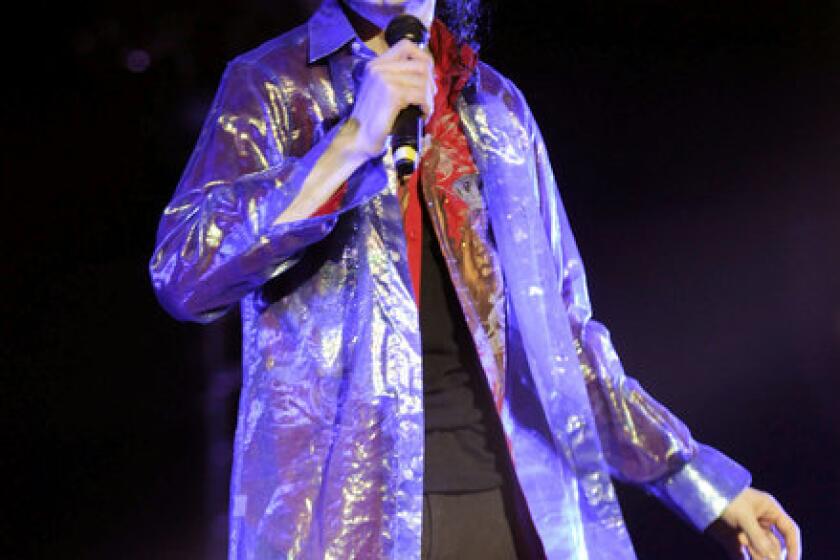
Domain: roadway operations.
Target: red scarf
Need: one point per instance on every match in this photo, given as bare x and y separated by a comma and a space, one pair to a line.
454, 64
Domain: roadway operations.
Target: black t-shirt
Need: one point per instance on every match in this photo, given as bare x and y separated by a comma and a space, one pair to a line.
462, 437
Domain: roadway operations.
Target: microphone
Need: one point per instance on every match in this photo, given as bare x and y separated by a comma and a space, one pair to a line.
407, 134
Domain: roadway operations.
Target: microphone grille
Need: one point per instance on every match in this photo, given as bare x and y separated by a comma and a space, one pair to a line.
405, 26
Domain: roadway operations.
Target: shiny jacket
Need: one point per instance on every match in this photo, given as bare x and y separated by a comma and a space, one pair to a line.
329, 443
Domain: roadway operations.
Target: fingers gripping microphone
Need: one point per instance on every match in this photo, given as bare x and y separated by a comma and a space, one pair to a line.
407, 134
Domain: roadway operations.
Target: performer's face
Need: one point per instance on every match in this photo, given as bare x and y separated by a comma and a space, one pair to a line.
380, 12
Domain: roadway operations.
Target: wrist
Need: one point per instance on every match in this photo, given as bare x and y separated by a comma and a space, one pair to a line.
356, 144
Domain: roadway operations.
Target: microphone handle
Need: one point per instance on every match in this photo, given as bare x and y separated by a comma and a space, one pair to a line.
406, 140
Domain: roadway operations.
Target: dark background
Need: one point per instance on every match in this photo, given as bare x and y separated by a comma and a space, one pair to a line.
697, 145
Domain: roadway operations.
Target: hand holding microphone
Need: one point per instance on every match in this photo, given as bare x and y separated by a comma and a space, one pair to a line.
396, 95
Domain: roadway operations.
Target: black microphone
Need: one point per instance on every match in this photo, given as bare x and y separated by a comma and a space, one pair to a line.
407, 134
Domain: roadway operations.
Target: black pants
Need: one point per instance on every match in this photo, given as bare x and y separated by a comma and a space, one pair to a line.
488, 525
468, 526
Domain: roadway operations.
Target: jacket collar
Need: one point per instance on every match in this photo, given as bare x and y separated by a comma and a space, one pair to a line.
329, 30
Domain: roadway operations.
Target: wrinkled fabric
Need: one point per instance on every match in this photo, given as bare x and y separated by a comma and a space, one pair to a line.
453, 67
328, 454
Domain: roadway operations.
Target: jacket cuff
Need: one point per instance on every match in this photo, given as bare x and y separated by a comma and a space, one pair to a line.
703, 487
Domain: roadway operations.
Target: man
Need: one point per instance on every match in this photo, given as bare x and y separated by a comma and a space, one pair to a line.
355, 358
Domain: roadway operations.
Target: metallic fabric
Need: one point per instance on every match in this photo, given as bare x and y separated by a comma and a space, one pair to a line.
329, 443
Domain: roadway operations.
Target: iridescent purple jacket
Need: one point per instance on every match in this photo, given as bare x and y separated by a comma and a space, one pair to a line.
329, 443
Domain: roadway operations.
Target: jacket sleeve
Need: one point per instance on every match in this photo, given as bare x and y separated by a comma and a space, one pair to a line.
643, 442
218, 238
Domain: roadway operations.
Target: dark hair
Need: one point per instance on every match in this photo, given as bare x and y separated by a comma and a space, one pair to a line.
466, 19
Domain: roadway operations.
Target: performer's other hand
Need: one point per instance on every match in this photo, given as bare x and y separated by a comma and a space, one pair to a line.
753, 524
